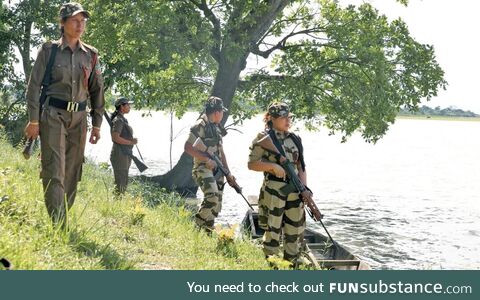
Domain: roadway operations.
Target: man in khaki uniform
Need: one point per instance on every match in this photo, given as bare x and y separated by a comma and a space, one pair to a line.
62, 124
205, 172
279, 212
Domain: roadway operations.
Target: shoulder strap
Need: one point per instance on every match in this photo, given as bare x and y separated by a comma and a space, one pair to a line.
94, 63
298, 142
47, 77
275, 141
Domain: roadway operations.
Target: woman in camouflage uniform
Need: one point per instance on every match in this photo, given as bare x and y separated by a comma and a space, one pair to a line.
122, 138
277, 211
205, 172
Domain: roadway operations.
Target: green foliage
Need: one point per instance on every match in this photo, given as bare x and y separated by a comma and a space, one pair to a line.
147, 50
354, 71
345, 68
24, 25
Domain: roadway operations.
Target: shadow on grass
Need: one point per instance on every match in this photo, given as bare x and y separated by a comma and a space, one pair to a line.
153, 195
109, 258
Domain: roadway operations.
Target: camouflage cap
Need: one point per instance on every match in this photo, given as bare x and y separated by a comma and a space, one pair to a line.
278, 109
72, 9
121, 101
214, 104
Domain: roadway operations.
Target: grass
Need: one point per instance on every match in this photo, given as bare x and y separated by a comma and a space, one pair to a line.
146, 229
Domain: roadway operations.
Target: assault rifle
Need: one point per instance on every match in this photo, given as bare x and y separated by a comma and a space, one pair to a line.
127, 150
200, 146
294, 182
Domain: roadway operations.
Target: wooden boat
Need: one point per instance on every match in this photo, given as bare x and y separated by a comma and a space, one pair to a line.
317, 247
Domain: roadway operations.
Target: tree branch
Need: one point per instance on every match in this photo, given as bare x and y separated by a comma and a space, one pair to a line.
281, 45
217, 33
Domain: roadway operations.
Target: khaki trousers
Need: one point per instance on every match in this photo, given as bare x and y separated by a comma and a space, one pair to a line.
63, 136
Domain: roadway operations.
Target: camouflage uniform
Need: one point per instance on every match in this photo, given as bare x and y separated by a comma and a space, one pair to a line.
63, 131
210, 182
278, 211
120, 161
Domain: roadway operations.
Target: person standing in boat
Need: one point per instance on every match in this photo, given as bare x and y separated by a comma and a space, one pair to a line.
279, 212
122, 138
205, 171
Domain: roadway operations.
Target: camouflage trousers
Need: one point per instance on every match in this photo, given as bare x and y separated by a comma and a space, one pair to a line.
262, 209
285, 213
212, 188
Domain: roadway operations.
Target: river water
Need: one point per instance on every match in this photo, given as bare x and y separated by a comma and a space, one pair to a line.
409, 202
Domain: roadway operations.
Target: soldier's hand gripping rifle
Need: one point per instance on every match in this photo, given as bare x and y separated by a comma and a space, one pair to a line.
127, 150
200, 146
295, 184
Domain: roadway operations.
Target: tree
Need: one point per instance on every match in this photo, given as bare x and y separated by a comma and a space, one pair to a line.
349, 69
23, 26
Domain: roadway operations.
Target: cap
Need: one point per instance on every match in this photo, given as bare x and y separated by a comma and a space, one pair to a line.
72, 9
214, 104
121, 101
278, 109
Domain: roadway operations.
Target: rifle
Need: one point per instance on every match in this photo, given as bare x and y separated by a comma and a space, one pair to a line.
294, 184
127, 150
200, 146
47, 78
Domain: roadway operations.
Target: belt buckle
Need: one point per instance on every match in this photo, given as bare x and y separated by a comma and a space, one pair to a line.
72, 106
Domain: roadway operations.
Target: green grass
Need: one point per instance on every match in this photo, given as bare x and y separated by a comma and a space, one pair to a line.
146, 229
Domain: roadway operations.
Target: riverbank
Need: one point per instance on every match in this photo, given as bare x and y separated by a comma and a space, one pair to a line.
146, 229
438, 118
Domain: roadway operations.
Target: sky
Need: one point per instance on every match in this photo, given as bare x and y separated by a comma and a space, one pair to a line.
452, 27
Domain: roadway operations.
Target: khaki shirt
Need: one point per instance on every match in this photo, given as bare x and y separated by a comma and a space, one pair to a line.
257, 153
70, 73
118, 158
211, 135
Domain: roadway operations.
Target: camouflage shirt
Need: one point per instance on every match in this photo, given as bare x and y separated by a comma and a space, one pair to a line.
257, 153
70, 73
211, 135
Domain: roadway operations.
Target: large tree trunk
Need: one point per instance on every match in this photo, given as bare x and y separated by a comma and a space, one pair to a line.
180, 179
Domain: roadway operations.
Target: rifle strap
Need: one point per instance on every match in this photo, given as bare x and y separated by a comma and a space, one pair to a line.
276, 142
47, 77
296, 140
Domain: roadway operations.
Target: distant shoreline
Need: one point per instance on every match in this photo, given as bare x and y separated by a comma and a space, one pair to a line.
441, 118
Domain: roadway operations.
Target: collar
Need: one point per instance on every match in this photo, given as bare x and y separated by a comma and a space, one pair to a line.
206, 120
63, 44
280, 134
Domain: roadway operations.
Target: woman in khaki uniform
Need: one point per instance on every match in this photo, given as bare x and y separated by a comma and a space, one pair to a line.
62, 124
279, 212
123, 141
